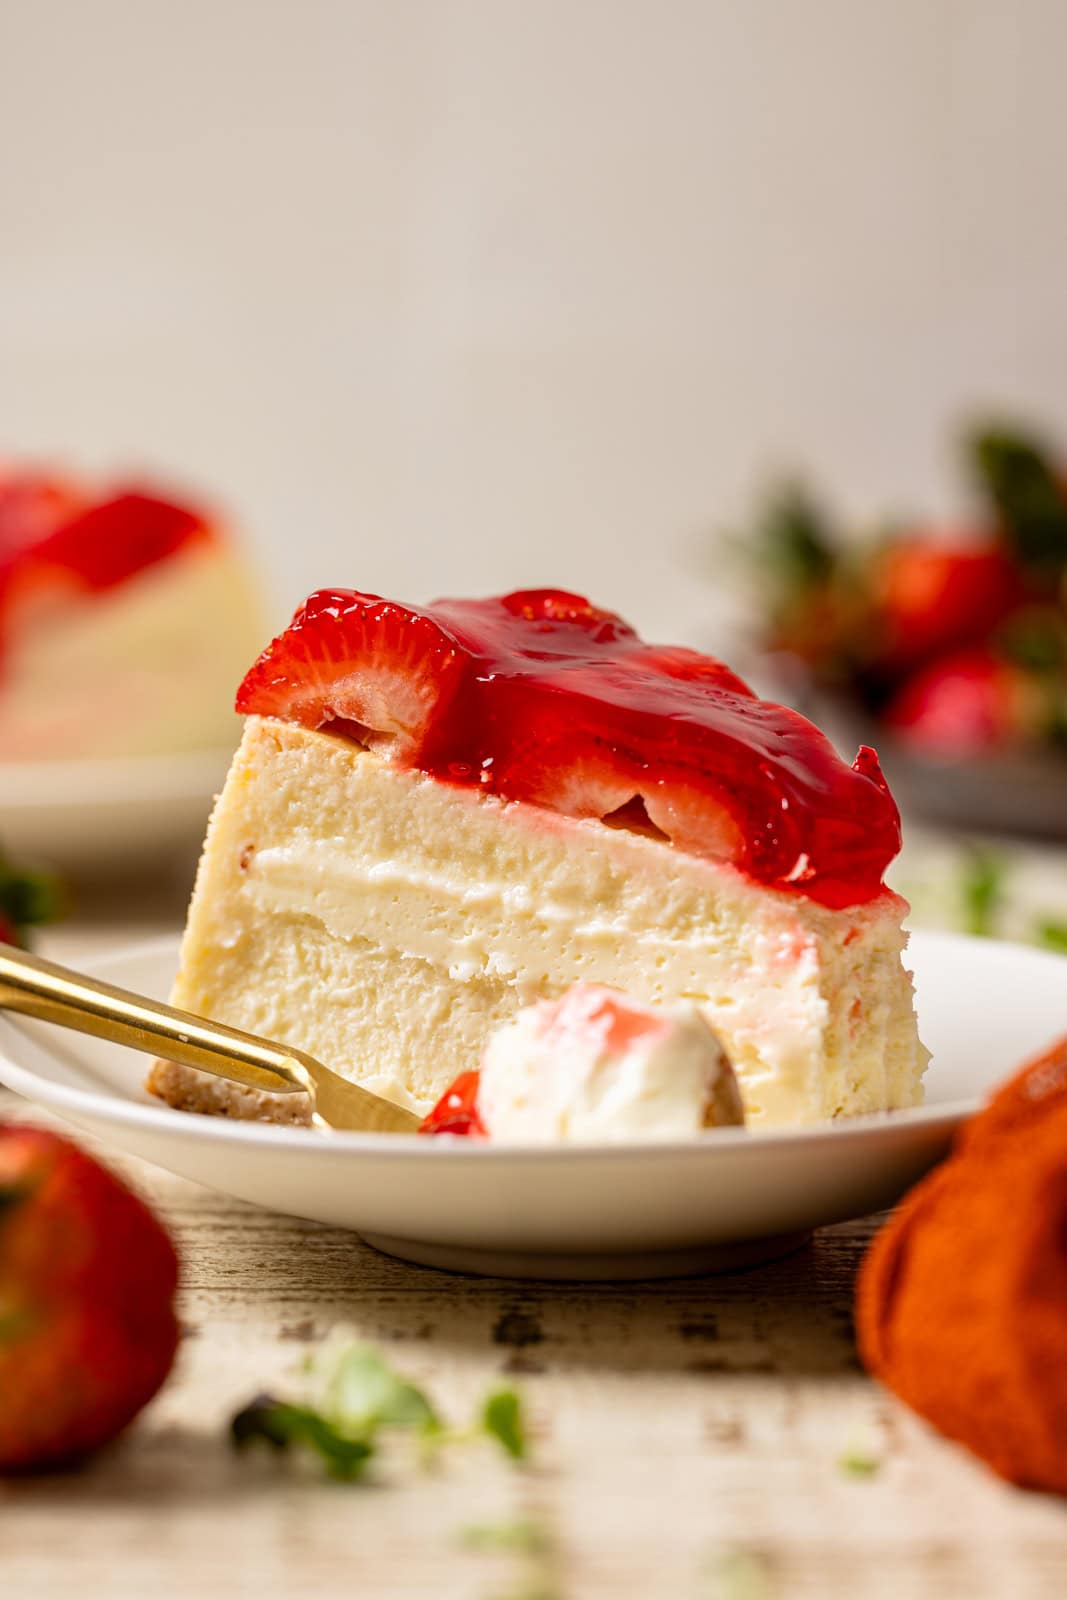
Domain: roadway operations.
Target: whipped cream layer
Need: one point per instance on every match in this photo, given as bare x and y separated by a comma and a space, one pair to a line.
389, 923
142, 668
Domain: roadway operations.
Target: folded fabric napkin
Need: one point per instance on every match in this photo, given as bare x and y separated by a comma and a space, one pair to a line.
962, 1300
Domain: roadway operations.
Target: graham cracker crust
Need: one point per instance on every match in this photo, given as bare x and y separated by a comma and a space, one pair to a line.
188, 1090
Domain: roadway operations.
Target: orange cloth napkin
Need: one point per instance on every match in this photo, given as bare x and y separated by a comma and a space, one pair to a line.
962, 1299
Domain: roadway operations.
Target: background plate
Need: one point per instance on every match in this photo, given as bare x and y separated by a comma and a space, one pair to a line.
83, 816
724, 1199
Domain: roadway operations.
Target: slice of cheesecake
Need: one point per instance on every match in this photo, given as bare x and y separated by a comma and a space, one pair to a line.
436, 817
125, 619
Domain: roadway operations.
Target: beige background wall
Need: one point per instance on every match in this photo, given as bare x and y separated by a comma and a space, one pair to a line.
451, 294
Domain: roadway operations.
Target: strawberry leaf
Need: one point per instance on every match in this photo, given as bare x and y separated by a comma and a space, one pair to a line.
27, 898
1017, 475
795, 541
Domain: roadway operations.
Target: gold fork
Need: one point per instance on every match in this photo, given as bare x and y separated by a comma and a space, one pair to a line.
41, 989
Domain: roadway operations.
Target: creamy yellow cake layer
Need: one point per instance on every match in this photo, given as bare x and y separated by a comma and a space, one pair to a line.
387, 923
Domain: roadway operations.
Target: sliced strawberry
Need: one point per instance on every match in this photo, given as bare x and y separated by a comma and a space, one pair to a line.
457, 1110
588, 781
694, 820
570, 776
360, 665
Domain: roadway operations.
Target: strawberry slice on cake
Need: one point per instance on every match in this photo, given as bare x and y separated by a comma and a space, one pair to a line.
124, 618
438, 816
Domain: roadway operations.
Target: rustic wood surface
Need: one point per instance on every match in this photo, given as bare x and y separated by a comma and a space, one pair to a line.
689, 1437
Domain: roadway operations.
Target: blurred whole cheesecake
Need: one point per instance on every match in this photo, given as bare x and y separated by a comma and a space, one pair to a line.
125, 619
438, 816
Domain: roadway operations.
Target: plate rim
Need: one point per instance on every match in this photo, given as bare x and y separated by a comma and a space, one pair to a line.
184, 1125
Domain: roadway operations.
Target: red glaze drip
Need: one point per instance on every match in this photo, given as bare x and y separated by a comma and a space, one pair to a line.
457, 1110
540, 696
52, 535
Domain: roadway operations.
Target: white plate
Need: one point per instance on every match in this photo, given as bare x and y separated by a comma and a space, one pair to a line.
80, 816
725, 1198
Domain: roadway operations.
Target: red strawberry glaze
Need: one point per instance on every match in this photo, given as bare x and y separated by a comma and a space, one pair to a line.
541, 696
51, 534
32, 506
457, 1110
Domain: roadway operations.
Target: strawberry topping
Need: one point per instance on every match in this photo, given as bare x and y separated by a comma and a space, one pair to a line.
112, 539
543, 697
32, 507
457, 1110
54, 538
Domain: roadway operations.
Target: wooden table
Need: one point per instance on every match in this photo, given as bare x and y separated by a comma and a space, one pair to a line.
689, 1438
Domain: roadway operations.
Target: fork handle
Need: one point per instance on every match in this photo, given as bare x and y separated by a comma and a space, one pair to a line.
38, 988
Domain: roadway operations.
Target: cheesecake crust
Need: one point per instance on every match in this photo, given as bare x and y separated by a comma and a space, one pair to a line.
188, 1090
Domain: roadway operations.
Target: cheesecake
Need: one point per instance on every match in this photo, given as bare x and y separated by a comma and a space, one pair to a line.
125, 619
439, 816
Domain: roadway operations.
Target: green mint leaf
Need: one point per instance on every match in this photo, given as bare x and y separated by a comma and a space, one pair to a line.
354, 1401
1016, 473
280, 1425
1053, 935
502, 1419
982, 888
364, 1394
859, 1464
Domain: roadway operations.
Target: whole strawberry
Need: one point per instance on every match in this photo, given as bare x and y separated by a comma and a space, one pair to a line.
88, 1276
967, 704
933, 595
